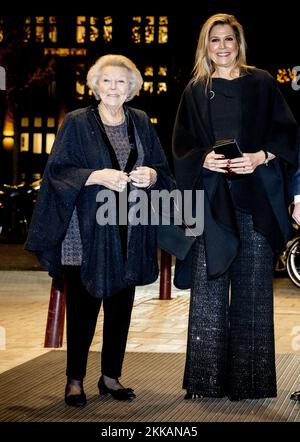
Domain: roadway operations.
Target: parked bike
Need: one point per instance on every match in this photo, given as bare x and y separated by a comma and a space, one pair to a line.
289, 261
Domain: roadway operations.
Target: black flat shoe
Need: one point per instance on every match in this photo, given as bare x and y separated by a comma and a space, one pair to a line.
121, 394
295, 396
75, 400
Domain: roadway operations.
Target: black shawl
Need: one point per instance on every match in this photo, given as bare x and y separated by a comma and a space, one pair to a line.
267, 123
79, 149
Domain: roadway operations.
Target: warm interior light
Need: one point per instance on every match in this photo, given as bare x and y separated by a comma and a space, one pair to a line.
8, 129
8, 143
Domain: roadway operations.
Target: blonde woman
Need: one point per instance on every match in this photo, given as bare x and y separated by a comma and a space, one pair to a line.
230, 349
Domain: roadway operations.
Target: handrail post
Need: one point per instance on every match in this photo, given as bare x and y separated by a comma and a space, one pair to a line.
56, 316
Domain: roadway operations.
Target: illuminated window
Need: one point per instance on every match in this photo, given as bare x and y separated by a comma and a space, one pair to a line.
162, 71
49, 142
37, 134
41, 29
148, 86
37, 122
136, 29
37, 143
149, 71
24, 147
80, 82
153, 120
149, 29
50, 122
90, 29
161, 87
285, 75
107, 29
162, 30
24, 121
81, 29
94, 31
27, 29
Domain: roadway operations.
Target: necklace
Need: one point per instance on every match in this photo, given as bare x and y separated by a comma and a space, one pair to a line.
107, 121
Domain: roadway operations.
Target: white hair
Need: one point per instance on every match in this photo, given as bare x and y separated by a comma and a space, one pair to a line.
134, 75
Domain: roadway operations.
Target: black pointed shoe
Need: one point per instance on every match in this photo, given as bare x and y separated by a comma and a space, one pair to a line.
121, 394
295, 396
75, 400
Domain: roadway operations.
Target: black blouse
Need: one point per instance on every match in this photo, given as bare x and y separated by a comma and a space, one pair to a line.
226, 108
226, 122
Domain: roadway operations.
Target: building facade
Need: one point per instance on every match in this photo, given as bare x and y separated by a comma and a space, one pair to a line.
44, 61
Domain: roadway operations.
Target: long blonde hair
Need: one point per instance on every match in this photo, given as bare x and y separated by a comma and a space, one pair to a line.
203, 67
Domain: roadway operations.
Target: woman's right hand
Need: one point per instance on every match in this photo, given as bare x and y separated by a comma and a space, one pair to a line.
215, 162
111, 178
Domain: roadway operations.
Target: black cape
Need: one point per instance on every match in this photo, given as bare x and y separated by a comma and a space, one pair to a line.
78, 150
267, 123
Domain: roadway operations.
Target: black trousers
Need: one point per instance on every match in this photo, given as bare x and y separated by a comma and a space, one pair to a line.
230, 349
82, 314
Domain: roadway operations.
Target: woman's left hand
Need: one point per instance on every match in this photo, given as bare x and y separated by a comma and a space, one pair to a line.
247, 163
143, 176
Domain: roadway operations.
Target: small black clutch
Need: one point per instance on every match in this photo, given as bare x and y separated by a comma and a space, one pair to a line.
229, 148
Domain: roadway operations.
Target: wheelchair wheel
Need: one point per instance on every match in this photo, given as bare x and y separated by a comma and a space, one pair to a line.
293, 262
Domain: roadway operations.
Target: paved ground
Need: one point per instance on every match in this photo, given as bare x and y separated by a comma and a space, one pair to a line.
156, 326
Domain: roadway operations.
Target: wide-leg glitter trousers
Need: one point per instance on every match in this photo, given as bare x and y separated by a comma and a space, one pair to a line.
230, 349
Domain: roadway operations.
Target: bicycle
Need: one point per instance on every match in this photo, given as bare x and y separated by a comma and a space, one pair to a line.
289, 260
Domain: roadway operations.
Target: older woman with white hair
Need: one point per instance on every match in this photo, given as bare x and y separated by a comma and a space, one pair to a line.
108, 147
